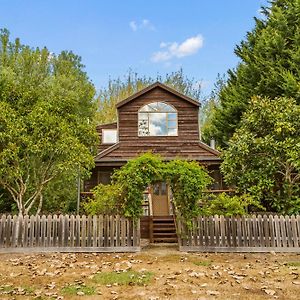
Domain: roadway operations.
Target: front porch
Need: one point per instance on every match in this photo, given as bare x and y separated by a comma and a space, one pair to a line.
158, 220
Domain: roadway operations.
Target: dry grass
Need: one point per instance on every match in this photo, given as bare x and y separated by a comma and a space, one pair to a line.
158, 273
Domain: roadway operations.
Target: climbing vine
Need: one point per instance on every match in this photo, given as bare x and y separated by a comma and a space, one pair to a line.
187, 180
134, 177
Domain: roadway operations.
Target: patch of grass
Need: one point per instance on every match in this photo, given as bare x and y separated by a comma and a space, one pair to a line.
293, 264
6, 288
28, 289
73, 289
123, 278
203, 263
10, 288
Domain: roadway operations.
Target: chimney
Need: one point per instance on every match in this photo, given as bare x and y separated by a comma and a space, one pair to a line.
213, 143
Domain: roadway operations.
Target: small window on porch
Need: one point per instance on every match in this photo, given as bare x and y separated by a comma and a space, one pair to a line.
104, 177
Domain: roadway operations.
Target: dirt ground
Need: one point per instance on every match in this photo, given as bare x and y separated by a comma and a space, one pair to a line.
158, 272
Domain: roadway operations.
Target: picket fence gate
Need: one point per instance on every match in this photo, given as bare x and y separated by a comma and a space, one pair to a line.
240, 234
64, 233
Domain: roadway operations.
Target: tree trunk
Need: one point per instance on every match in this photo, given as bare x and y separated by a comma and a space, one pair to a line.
40, 204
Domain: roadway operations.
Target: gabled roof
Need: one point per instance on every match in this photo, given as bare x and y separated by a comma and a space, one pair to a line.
212, 154
162, 86
107, 125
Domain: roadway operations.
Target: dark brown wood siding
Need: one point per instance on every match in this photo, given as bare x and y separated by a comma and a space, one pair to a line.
186, 144
188, 128
99, 128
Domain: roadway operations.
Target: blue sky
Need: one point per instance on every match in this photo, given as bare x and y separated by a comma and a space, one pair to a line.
149, 37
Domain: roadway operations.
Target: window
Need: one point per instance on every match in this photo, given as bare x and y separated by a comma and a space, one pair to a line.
109, 136
104, 177
157, 119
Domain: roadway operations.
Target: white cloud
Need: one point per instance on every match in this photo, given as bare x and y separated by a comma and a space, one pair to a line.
163, 45
161, 56
144, 24
133, 25
188, 47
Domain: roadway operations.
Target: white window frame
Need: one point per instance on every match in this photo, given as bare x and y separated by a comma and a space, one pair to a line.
148, 120
111, 130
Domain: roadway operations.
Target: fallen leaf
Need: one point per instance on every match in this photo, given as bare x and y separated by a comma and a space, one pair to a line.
80, 293
213, 293
270, 292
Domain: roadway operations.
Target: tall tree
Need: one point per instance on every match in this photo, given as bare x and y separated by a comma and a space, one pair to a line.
119, 89
46, 104
263, 157
269, 66
208, 110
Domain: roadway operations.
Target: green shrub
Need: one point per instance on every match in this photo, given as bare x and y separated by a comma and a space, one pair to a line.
226, 205
106, 200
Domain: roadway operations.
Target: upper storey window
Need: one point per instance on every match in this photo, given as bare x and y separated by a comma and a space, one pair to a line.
157, 119
109, 136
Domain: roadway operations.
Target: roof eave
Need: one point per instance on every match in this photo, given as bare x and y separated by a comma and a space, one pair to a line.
152, 86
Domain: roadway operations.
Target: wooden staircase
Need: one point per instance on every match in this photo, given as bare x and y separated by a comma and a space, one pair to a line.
163, 230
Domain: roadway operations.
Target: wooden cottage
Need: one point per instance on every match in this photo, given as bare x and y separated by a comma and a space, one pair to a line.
161, 120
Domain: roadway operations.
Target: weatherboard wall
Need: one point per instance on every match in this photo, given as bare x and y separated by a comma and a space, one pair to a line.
185, 145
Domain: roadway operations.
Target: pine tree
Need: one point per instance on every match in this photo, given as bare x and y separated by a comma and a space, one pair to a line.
269, 66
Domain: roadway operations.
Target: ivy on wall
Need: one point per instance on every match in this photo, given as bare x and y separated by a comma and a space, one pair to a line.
187, 180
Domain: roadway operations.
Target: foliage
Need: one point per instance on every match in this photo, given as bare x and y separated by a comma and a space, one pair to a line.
208, 110
134, 178
106, 200
263, 158
207, 113
60, 195
121, 88
269, 66
187, 180
46, 102
227, 205
6, 203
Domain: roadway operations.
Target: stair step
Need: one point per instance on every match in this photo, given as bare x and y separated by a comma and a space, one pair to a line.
165, 240
165, 229
164, 233
164, 219
163, 225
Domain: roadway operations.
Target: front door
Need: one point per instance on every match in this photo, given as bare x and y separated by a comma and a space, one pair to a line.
160, 203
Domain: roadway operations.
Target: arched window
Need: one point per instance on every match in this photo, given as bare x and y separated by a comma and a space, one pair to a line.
157, 119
